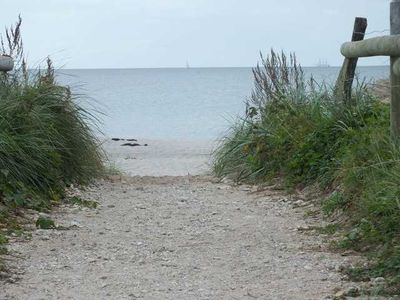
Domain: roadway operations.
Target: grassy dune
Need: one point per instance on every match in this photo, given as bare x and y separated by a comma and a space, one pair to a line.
300, 132
45, 141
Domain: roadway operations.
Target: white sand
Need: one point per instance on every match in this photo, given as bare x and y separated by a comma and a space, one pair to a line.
160, 157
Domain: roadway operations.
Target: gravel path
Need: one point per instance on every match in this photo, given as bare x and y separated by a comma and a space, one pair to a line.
175, 238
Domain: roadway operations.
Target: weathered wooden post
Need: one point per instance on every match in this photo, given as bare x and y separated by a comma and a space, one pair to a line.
395, 76
6, 63
345, 80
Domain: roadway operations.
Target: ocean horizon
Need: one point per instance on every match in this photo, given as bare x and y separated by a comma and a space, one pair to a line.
176, 103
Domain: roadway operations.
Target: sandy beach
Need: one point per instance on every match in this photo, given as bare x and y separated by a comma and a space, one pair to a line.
160, 157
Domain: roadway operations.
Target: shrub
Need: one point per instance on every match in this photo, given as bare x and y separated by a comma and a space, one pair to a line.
46, 141
300, 131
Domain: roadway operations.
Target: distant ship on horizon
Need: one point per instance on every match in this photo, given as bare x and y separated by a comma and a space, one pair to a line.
187, 65
323, 64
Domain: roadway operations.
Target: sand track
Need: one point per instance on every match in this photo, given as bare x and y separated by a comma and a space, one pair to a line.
175, 238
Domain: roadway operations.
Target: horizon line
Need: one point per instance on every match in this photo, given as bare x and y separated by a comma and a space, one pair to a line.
233, 67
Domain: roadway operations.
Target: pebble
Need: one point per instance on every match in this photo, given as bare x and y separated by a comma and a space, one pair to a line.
352, 291
299, 203
378, 281
75, 224
339, 295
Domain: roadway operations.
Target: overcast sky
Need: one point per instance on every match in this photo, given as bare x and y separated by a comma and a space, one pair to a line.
207, 33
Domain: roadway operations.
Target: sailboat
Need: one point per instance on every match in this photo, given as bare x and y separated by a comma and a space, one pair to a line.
187, 65
322, 64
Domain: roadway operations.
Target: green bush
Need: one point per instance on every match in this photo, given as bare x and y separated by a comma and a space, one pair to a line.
46, 142
305, 134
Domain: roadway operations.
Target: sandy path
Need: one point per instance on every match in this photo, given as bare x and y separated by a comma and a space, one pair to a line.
175, 238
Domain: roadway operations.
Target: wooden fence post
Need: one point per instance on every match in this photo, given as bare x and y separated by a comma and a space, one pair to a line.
394, 76
345, 80
6, 63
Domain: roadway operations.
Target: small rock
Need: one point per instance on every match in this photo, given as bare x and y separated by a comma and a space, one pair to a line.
245, 189
75, 224
339, 296
44, 215
304, 228
299, 203
308, 268
226, 180
131, 144
339, 268
348, 253
4, 275
352, 291
378, 281
11, 280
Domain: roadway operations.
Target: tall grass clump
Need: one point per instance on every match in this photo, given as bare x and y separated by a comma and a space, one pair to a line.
46, 142
301, 132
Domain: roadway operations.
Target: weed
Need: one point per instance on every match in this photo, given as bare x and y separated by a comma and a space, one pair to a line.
112, 170
328, 229
45, 223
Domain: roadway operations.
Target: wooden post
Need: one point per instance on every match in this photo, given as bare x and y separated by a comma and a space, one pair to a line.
394, 76
6, 63
345, 80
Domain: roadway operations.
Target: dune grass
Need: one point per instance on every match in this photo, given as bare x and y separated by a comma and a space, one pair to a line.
301, 132
45, 140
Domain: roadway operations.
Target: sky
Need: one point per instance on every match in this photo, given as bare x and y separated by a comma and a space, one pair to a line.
206, 33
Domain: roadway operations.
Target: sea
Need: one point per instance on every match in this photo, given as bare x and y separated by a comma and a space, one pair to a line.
176, 103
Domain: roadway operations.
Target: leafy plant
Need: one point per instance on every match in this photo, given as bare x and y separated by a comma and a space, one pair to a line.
45, 223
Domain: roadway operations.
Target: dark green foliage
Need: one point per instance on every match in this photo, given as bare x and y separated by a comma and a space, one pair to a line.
46, 142
3, 239
304, 134
45, 223
3, 242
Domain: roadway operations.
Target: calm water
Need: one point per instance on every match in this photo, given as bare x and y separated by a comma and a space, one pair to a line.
175, 103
